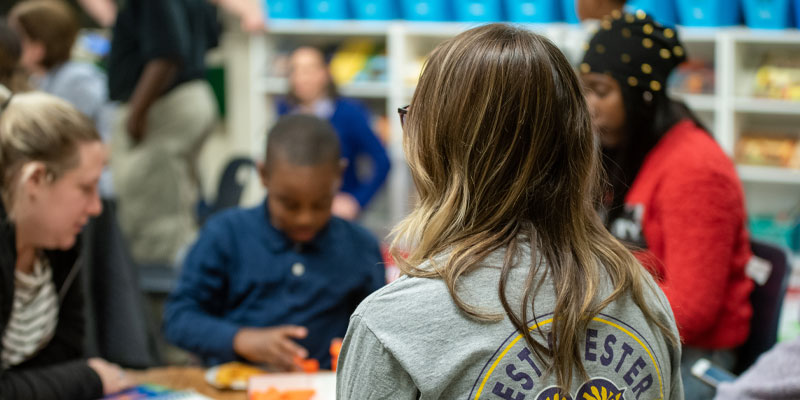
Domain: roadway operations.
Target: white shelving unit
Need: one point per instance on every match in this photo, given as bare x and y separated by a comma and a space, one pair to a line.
731, 110
784, 176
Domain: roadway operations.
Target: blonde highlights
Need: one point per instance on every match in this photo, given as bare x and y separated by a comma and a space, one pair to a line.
35, 126
501, 149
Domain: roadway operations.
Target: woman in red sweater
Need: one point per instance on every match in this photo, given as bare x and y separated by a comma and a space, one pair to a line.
675, 194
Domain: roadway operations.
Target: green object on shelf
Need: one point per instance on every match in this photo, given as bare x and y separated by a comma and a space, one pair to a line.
216, 78
789, 332
784, 232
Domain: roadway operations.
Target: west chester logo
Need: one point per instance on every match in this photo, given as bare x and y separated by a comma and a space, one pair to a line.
621, 363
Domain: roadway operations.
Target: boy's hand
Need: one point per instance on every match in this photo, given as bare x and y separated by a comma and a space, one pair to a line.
273, 346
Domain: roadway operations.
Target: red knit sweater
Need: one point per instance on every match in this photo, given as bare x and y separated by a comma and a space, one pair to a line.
690, 205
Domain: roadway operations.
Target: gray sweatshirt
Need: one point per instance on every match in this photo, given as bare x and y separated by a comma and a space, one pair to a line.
776, 375
409, 340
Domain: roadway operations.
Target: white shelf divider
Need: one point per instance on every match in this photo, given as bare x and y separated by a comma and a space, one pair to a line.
752, 173
766, 106
698, 102
325, 27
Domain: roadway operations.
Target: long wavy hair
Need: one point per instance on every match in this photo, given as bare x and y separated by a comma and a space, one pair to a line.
502, 151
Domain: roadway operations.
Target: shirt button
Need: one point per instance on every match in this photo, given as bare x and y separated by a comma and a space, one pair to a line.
298, 269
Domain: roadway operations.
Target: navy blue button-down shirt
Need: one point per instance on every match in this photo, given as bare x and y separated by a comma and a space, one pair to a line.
243, 272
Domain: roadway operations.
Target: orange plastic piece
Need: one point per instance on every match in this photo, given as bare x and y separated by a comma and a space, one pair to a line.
336, 348
275, 394
308, 365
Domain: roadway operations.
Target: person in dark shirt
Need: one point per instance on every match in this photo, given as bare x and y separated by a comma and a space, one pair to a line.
278, 281
51, 161
156, 69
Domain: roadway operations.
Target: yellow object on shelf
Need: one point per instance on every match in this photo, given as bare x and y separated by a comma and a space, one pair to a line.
350, 59
768, 151
778, 77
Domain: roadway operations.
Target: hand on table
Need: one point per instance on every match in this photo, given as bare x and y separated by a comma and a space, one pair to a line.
274, 346
111, 375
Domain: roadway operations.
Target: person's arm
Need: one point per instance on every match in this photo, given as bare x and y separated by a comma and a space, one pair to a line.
156, 77
165, 41
368, 144
73, 380
367, 370
702, 213
104, 12
193, 316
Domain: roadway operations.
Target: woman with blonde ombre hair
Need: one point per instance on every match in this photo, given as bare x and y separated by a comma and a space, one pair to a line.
50, 162
513, 288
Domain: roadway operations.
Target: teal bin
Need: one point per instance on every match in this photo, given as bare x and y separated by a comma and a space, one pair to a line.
326, 9
534, 11
373, 9
282, 9
569, 11
709, 13
425, 10
784, 232
768, 14
662, 11
478, 10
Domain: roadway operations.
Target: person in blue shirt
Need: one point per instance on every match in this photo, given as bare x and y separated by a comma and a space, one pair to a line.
279, 281
311, 91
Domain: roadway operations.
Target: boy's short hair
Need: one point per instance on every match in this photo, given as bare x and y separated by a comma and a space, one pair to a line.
51, 22
303, 140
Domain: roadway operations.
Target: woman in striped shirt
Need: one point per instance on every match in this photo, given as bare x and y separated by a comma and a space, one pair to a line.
50, 161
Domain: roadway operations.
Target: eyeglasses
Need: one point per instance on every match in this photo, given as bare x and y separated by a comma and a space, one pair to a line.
402, 111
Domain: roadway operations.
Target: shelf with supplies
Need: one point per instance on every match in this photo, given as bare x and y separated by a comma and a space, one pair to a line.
725, 89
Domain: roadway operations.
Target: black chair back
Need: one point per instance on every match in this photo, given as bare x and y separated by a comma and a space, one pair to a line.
767, 300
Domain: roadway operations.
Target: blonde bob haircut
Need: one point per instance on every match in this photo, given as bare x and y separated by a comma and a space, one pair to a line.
36, 126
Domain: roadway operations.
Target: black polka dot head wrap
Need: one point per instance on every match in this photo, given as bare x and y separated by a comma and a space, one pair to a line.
635, 50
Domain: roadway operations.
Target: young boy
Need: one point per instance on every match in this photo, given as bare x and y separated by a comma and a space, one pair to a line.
278, 281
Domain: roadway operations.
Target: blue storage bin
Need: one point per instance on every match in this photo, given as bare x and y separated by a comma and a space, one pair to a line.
768, 14
373, 9
282, 9
662, 11
709, 12
326, 9
569, 11
796, 5
537, 11
425, 10
478, 10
